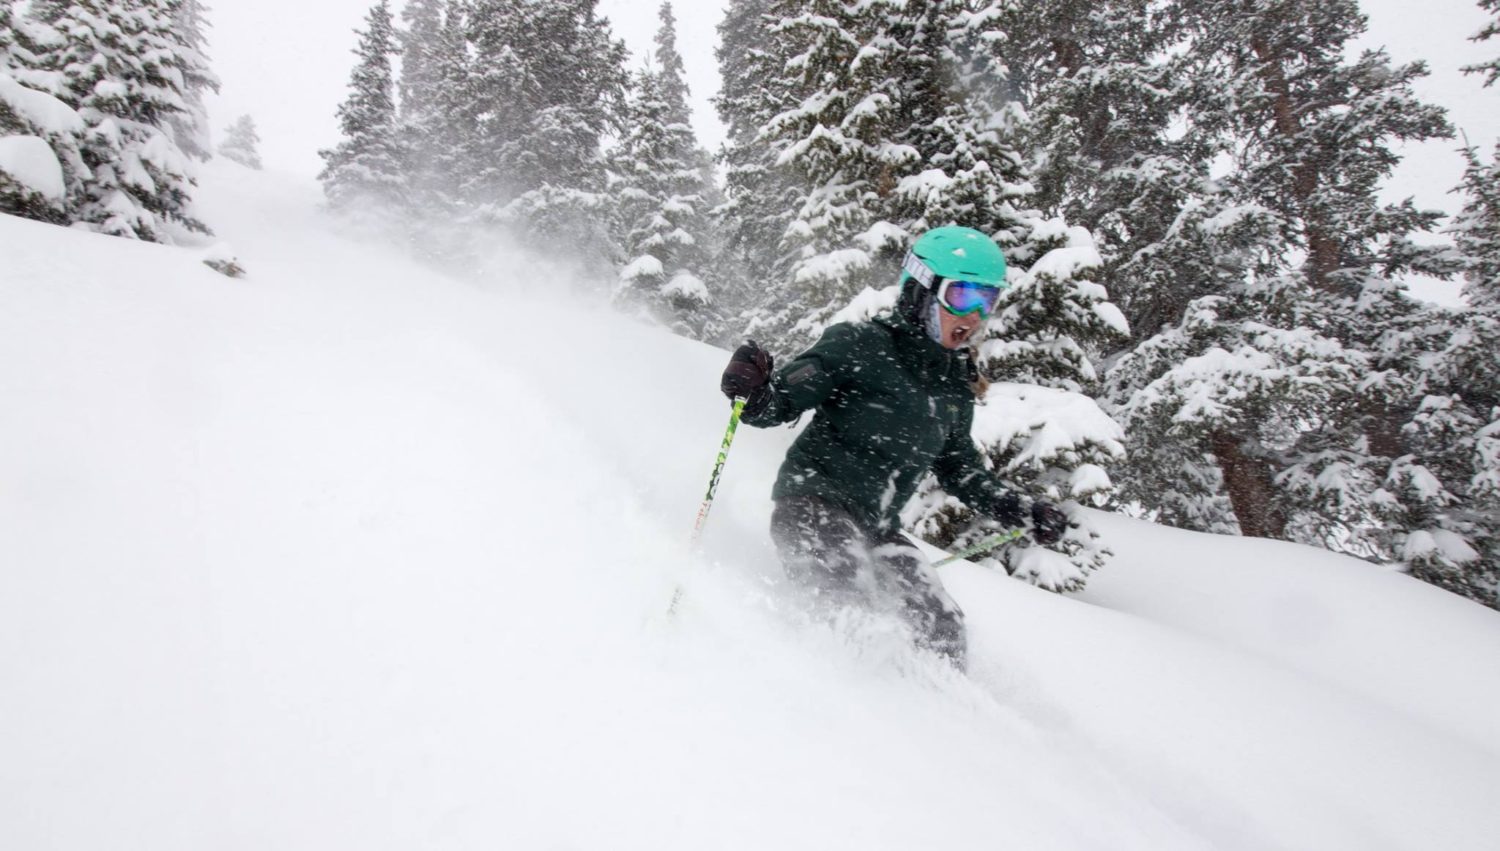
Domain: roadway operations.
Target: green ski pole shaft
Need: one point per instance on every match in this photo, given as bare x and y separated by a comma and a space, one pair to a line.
713, 482
713, 487
983, 546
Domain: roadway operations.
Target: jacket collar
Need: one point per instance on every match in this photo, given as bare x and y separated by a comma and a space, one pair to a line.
925, 356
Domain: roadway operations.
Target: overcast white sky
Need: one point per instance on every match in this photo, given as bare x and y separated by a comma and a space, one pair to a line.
287, 63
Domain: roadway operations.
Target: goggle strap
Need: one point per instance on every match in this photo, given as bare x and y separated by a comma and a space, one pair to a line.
914, 266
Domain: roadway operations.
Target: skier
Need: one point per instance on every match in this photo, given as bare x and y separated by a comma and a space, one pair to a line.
893, 399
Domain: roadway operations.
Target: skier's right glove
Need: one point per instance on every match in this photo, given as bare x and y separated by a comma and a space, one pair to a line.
1048, 523
748, 376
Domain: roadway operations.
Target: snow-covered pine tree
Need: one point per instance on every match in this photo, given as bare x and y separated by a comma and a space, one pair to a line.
1490, 69
122, 69
1103, 92
670, 68
1299, 382
759, 195
433, 89
241, 143
661, 200
1458, 424
674, 80
190, 127
503, 92
965, 126
549, 84
363, 172
1107, 93
422, 56
41, 170
657, 191
836, 143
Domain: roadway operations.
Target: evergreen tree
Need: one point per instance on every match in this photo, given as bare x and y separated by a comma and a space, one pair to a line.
966, 127
1107, 89
504, 93
122, 69
549, 83
433, 88
241, 143
422, 58
1490, 69
835, 142
366, 166
661, 193
1458, 424
190, 126
1300, 383
670, 68
759, 195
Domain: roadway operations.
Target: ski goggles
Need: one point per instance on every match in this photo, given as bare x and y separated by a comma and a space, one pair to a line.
958, 297
962, 298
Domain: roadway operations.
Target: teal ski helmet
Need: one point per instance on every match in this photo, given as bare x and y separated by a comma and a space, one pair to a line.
952, 253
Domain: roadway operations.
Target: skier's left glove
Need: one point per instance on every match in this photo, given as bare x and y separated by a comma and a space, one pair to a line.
748, 376
1048, 522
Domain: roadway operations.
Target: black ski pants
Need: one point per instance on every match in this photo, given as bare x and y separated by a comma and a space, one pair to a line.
823, 547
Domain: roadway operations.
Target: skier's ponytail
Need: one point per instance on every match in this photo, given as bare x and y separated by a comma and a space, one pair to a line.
977, 382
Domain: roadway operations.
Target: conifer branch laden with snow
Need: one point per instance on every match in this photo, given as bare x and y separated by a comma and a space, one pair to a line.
101, 84
40, 164
1491, 69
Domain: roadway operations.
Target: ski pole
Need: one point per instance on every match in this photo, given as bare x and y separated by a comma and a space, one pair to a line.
713, 486
983, 546
713, 481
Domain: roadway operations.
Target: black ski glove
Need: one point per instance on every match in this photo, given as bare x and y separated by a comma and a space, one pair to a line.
748, 375
1007, 510
1048, 522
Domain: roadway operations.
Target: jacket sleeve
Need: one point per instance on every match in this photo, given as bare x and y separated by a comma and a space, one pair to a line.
961, 470
805, 381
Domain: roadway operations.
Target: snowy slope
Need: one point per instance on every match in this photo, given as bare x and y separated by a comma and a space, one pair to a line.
348, 554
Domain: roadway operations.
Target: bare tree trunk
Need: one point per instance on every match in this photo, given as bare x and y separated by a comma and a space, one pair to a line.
1252, 492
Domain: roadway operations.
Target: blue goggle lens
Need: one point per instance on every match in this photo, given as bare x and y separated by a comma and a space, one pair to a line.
964, 297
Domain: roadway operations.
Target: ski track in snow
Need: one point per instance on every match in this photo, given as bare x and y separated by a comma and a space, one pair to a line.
350, 553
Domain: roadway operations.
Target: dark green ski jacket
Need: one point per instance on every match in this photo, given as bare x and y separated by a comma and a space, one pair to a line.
890, 404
